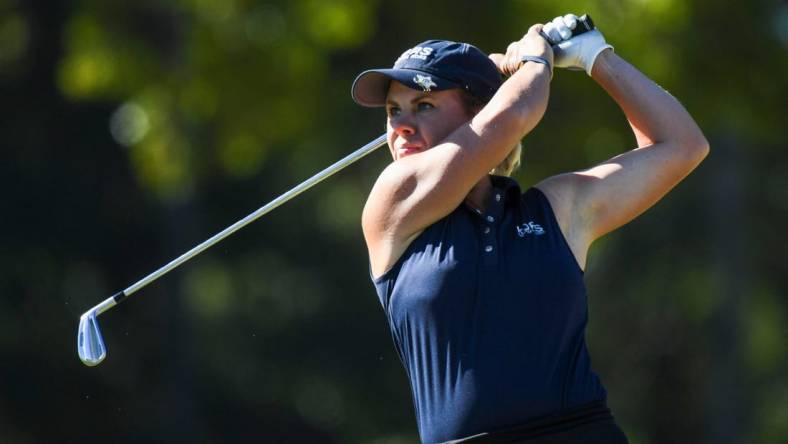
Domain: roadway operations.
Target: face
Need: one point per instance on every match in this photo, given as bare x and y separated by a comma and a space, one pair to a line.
419, 120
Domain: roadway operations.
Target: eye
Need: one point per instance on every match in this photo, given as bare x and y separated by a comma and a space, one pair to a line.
424, 106
392, 111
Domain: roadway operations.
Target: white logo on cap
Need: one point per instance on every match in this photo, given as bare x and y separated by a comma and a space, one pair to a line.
425, 82
417, 52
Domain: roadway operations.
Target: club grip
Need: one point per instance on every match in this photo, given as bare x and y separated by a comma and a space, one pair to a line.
584, 24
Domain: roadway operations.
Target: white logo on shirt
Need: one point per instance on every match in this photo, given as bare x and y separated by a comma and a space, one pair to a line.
425, 82
529, 228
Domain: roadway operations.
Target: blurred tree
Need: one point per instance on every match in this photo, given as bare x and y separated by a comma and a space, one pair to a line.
134, 131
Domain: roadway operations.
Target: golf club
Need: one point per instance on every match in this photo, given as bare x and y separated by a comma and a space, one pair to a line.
584, 24
90, 344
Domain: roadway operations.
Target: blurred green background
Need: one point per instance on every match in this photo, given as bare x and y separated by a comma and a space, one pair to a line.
131, 131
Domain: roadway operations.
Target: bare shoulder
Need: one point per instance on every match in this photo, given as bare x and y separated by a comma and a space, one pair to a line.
395, 184
381, 222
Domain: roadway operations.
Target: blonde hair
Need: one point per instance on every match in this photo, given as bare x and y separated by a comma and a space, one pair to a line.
511, 163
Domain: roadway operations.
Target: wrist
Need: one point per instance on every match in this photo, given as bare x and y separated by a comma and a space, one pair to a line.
537, 60
600, 64
600, 55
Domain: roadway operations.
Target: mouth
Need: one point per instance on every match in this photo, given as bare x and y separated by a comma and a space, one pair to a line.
408, 149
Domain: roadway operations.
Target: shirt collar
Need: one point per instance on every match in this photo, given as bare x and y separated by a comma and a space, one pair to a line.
508, 187
505, 191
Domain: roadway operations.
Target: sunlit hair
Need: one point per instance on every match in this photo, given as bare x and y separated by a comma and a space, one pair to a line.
512, 161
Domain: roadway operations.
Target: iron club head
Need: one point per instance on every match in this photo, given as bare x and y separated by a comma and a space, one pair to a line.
90, 345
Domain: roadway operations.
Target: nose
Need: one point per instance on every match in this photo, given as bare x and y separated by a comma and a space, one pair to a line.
403, 125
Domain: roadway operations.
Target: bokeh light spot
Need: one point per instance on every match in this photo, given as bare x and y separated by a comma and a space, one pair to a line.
129, 124
86, 73
336, 23
162, 162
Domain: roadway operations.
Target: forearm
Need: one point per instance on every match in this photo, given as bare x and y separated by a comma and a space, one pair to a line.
655, 115
518, 105
526, 94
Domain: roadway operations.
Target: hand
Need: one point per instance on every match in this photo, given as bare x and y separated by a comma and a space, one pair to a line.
532, 44
577, 52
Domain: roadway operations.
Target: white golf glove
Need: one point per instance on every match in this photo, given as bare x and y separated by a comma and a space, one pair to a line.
577, 52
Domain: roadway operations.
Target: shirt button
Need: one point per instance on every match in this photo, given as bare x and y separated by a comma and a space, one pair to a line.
498, 197
490, 219
486, 230
488, 248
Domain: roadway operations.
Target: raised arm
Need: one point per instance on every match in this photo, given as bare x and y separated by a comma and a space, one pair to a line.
415, 191
670, 145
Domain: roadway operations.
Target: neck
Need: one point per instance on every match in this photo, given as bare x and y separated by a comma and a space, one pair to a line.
477, 197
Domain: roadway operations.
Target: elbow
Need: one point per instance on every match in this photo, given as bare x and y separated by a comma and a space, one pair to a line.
704, 148
694, 145
695, 148
699, 146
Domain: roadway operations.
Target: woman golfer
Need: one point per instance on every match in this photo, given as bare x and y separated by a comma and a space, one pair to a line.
481, 283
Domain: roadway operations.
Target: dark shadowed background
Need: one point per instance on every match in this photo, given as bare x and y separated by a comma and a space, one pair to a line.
131, 131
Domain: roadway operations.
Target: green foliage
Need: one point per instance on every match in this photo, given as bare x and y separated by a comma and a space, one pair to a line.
135, 130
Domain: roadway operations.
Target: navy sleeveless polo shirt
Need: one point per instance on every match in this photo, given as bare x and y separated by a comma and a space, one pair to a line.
488, 314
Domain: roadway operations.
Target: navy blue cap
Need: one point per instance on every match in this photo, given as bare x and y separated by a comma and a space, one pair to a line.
433, 65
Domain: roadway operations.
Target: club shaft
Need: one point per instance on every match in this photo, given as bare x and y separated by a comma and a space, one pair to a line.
307, 184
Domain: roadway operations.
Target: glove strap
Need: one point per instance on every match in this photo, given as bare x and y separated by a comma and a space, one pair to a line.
537, 59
